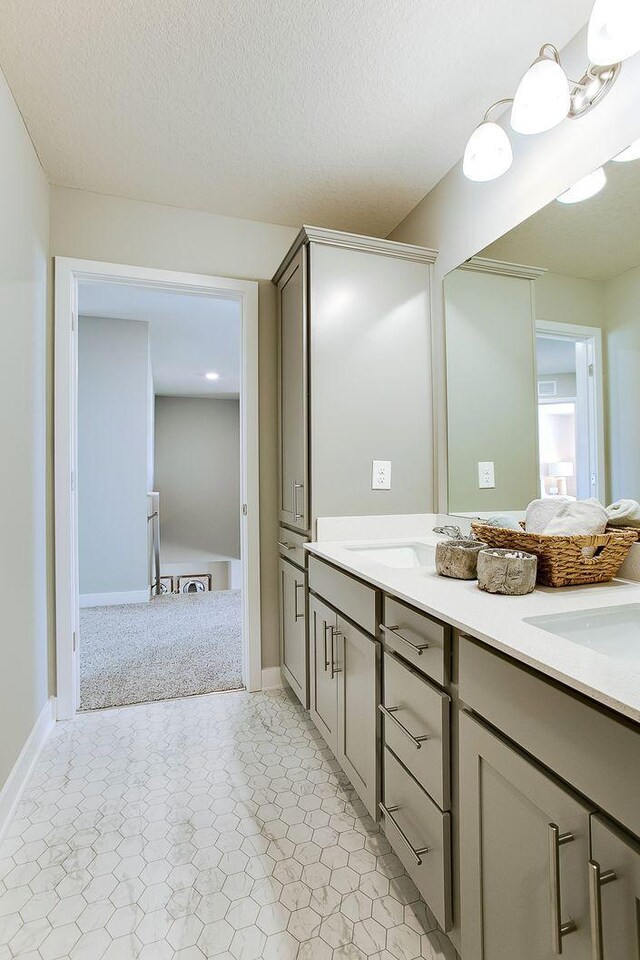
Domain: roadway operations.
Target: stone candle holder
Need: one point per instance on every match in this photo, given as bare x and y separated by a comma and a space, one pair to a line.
510, 572
458, 558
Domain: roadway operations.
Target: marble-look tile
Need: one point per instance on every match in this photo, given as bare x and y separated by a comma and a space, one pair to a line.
219, 826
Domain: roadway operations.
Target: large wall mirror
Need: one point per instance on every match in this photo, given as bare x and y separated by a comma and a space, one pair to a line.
543, 354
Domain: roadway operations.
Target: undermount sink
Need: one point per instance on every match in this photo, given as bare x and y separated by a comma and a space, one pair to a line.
401, 556
614, 631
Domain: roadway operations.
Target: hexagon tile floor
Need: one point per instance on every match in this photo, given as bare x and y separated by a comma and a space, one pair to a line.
218, 826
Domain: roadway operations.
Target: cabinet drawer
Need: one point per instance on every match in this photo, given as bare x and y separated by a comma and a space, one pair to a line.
349, 596
418, 638
595, 753
291, 546
417, 709
420, 834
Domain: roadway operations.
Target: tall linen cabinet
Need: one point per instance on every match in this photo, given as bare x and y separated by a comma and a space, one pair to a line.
354, 387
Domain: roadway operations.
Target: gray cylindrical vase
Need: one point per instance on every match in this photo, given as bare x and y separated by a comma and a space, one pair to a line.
458, 558
510, 572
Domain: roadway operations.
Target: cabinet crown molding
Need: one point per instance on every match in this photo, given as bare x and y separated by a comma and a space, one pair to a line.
502, 267
354, 241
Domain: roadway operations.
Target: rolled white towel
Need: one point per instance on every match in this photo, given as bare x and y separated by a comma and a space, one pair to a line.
624, 513
578, 518
540, 512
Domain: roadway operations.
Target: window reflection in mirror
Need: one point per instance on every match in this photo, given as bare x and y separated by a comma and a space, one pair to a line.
542, 357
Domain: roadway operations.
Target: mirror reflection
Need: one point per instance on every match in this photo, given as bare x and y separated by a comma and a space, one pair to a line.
543, 352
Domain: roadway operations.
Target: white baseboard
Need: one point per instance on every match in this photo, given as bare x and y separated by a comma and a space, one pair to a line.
114, 599
17, 779
271, 679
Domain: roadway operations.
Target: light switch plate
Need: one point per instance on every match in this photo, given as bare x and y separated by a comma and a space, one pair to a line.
381, 475
486, 474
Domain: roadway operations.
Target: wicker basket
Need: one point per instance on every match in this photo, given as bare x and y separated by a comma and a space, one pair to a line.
561, 562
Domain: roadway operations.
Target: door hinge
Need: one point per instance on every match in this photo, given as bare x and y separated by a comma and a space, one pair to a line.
245, 509
75, 641
73, 320
590, 369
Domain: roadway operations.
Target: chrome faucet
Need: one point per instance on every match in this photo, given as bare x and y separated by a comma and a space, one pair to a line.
455, 533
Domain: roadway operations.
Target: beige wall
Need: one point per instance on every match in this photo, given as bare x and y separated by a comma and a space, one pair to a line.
24, 585
563, 299
123, 231
197, 460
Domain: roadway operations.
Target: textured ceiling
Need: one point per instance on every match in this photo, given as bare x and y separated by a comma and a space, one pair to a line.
597, 239
342, 113
189, 335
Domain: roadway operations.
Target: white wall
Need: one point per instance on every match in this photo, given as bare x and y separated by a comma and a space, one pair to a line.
564, 299
151, 235
113, 389
24, 582
197, 472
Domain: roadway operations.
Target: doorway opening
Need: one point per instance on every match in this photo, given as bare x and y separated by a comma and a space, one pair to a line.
570, 411
157, 564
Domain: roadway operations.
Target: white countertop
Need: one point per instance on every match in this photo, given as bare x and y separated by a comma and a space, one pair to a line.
498, 620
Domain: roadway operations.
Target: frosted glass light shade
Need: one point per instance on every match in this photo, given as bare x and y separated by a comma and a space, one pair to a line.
488, 153
585, 188
631, 153
542, 99
614, 31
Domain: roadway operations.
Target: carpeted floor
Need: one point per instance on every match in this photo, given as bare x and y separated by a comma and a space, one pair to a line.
173, 646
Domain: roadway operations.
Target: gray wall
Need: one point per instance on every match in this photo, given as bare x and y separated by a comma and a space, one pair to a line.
113, 416
491, 392
197, 472
152, 235
26, 589
622, 336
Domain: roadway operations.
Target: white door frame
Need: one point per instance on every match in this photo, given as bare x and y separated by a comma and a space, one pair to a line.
592, 390
68, 273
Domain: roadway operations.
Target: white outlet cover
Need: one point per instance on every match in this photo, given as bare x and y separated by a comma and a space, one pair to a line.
486, 475
381, 475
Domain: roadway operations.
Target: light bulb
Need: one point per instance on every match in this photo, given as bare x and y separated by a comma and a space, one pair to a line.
585, 188
614, 31
212, 375
542, 99
488, 153
631, 153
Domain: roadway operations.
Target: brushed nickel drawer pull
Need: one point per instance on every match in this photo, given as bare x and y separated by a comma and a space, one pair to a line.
285, 545
390, 714
418, 648
334, 633
418, 854
297, 616
327, 626
295, 486
558, 928
596, 881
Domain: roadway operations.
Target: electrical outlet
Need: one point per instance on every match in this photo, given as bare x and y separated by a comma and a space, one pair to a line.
486, 474
381, 475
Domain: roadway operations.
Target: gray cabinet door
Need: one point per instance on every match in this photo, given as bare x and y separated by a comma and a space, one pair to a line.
293, 634
524, 849
614, 889
294, 492
358, 699
324, 676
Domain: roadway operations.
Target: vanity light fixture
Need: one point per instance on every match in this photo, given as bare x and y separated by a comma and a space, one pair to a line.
614, 31
631, 153
545, 96
542, 99
585, 188
488, 153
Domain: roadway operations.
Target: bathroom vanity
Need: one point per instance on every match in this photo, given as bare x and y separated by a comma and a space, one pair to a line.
506, 774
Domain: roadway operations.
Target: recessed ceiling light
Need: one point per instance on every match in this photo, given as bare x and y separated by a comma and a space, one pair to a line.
212, 376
